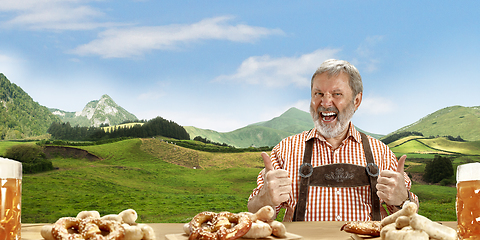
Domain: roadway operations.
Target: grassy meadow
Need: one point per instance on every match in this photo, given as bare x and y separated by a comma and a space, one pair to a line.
164, 182
129, 177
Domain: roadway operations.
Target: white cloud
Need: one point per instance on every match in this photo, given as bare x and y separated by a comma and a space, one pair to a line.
376, 106
135, 41
366, 54
53, 15
281, 71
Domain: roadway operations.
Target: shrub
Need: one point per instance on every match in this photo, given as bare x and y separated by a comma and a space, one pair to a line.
448, 181
31, 156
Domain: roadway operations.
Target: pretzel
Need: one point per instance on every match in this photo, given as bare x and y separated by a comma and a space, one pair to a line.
213, 226
67, 228
98, 229
371, 228
88, 225
205, 232
241, 225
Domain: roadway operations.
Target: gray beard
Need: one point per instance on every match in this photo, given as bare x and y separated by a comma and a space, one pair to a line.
343, 120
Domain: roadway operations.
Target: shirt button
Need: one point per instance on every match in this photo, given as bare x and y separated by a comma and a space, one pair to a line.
338, 192
339, 217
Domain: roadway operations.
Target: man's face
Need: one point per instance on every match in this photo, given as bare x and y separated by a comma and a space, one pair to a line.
332, 104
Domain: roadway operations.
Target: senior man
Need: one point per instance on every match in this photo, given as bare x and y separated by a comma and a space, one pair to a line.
332, 172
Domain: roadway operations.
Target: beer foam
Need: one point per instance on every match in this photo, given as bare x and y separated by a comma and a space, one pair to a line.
468, 172
10, 168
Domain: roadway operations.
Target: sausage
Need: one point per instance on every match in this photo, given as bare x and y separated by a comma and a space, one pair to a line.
433, 229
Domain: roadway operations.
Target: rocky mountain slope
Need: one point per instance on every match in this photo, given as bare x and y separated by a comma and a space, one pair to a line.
98, 112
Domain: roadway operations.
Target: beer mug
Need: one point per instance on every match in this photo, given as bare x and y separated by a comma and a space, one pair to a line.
468, 201
10, 199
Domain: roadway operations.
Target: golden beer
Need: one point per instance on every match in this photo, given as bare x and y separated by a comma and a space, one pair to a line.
10, 196
468, 201
10, 199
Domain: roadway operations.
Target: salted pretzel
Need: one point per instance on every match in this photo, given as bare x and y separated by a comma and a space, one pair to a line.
70, 228
100, 229
88, 225
371, 228
67, 228
218, 226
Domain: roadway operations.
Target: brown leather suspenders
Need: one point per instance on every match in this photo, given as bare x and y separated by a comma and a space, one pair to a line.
337, 175
372, 172
306, 170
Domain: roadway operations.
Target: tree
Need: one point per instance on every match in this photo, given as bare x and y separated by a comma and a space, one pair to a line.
438, 169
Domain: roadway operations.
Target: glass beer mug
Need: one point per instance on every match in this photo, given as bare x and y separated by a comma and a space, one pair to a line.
10, 199
468, 201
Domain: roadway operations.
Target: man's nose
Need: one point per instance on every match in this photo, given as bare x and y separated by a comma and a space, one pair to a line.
326, 100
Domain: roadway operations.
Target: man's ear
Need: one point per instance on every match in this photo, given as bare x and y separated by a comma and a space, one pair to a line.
358, 100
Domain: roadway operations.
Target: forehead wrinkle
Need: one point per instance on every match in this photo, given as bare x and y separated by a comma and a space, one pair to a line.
333, 91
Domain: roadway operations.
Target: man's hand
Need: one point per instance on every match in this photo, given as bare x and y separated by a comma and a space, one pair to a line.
391, 184
277, 184
276, 189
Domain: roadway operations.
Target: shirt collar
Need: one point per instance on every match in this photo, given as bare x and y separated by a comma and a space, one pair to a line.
352, 132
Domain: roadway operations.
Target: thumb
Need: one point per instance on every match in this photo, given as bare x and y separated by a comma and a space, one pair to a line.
267, 162
401, 164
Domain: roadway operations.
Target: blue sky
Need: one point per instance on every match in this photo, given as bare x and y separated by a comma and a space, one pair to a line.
222, 65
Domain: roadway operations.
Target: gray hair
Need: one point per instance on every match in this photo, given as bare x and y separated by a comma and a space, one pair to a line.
334, 67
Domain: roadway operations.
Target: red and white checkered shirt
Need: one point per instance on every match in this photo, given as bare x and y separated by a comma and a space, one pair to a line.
330, 203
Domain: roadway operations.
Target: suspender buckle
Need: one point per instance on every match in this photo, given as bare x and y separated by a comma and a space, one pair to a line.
375, 167
306, 170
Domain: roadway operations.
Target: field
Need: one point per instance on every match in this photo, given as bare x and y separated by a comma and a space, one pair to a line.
128, 177
164, 182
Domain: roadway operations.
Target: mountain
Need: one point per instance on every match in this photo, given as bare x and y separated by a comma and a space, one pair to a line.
454, 121
268, 133
20, 116
104, 111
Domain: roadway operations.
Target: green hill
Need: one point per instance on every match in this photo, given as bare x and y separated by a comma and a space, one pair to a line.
454, 121
292, 121
440, 145
20, 116
268, 133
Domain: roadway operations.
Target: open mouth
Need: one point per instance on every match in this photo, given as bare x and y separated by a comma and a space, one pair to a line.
328, 116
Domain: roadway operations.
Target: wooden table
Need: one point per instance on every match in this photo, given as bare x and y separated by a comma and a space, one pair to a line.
308, 230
